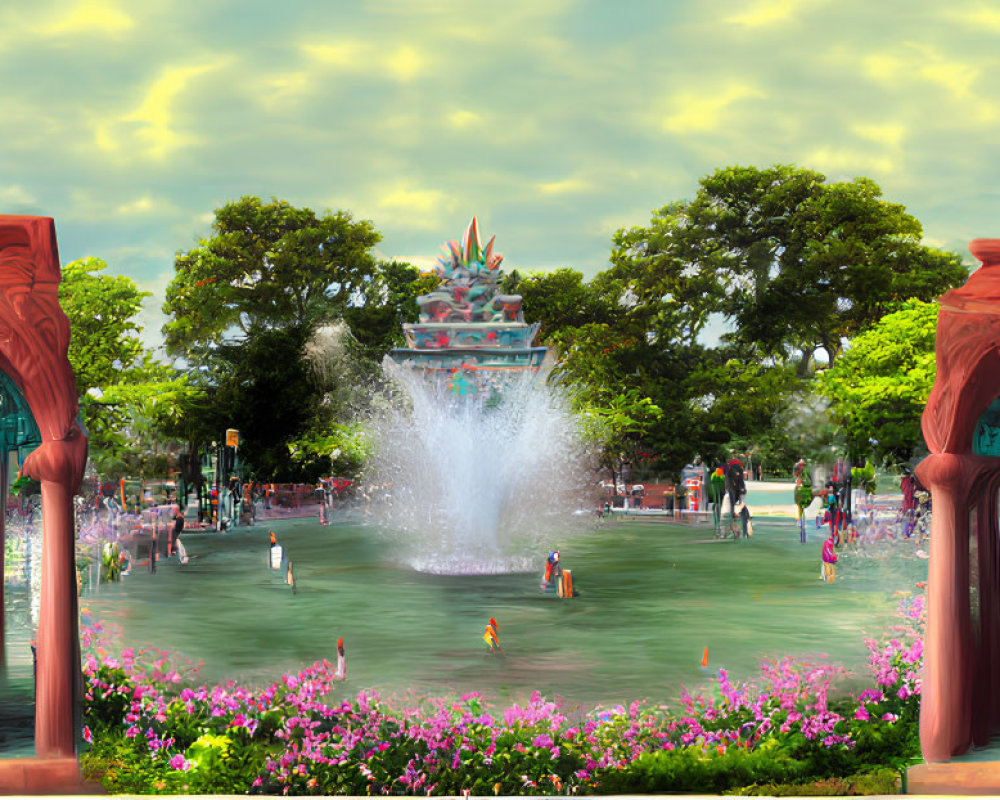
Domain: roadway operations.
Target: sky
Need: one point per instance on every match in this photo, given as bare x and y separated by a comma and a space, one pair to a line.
555, 122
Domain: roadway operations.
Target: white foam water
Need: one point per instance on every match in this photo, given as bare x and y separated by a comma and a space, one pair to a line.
478, 486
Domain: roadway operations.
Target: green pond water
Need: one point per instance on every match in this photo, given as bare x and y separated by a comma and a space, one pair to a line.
652, 596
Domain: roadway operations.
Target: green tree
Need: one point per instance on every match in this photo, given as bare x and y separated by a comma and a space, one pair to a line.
265, 266
559, 299
105, 351
878, 388
104, 334
269, 394
246, 301
794, 263
155, 412
377, 325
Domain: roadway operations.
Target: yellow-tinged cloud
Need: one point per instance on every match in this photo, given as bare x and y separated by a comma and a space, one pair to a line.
463, 118
696, 111
402, 63
412, 206
568, 186
15, 195
890, 134
883, 67
419, 200
766, 12
142, 205
341, 54
981, 17
923, 62
151, 128
952, 75
405, 63
88, 16
284, 87
828, 159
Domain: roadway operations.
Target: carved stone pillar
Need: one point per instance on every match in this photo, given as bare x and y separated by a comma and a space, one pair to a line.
34, 336
945, 703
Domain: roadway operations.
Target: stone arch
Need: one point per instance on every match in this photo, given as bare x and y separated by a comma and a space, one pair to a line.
34, 337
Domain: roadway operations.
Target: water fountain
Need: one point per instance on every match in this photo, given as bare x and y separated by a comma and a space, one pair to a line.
481, 458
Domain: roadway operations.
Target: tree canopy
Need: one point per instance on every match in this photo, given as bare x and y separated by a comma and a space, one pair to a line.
245, 303
793, 262
267, 265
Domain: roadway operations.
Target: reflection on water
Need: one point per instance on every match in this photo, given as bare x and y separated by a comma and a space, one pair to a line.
652, 597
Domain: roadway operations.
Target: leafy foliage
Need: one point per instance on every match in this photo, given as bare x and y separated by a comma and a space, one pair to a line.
879, 387
266, 265
792, 261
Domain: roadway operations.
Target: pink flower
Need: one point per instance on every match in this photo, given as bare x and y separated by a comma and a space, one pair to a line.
87, 736
862, 714
179, 762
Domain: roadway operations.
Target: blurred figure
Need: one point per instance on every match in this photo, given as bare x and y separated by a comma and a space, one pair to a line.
829, 559
492, 636
341, 673
552, 572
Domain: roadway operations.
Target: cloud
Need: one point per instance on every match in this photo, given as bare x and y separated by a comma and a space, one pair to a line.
89, 16
91, 204
410, 206
845, 160
952, 75
463, 118
766, 12
152, 129
402, 63
344, 54
16, 196
699, 111
144, 205
923, 63
405, 63
567, 186
890, 134
978, 18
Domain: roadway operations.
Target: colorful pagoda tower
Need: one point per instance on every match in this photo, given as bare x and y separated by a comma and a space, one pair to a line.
468, 332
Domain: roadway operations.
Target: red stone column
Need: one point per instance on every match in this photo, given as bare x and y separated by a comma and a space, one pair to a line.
991, 628
983, 691
945, 705
58, 465
3, 548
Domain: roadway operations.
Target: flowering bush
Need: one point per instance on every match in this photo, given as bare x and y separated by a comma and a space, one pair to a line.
154, 728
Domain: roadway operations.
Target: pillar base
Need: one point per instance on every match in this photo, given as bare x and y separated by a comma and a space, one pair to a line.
23, 776
955, 778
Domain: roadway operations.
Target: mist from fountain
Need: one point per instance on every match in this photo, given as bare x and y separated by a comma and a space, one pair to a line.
478, 484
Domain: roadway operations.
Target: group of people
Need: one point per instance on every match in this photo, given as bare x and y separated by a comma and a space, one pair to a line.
728, 481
